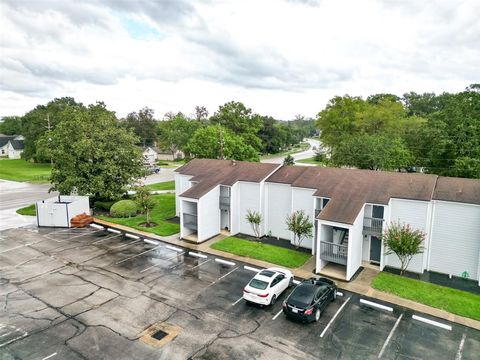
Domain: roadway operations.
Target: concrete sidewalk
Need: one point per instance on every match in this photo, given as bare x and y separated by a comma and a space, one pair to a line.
361, 285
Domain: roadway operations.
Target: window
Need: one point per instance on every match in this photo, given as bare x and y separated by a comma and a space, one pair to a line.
325, 202
377, 212
258, 284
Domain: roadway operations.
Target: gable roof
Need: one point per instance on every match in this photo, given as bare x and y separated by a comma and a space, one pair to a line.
457, 190
17, 144
4, 139
350, 189
210, 173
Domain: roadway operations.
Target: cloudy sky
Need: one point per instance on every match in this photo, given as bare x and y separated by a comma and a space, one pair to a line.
279, 57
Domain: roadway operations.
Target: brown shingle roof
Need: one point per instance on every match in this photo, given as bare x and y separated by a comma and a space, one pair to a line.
458, 190
210, 173
349, 189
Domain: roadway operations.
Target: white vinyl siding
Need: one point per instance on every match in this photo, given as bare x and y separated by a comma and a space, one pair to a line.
415, 214
455, 239
249, 197
279, 206
302, 199
355, 239
182, 183
209, 215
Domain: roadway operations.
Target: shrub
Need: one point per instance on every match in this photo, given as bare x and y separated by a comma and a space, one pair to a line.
103, 205
124, 209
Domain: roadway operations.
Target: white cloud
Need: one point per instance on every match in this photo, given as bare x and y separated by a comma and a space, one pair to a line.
278, 57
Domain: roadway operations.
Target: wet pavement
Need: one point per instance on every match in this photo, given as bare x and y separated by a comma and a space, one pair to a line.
91, 294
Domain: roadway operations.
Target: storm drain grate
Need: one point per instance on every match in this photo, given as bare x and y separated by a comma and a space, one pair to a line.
159, 335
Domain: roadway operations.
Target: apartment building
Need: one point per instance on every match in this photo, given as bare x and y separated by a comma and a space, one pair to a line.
350, 209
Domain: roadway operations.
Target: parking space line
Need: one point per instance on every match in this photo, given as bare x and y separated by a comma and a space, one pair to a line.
251, 268
197, 255
105, 238
222, 277
221, 261
174, 248
6, 334
376, 305
432, 322
24, 245
460, 347
50, 356
201, 264
134, 256
277, 314
152, 242
12, 340
385, 344
114, 231
236, 302
334, 317
168, 259
126, 244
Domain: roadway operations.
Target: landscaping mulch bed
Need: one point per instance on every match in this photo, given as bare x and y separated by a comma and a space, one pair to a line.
273, 241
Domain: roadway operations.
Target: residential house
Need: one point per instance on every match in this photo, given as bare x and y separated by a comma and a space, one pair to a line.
11, 146
152, 153
350, 209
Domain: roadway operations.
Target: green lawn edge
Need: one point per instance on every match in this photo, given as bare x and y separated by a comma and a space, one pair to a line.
259, 251
454, 301
163, 210
27, 210
21, 170
166, 185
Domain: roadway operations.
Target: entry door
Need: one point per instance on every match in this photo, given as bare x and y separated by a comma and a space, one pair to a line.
375, 249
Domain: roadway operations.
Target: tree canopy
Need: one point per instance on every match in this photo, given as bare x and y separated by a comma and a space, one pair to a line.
218, 142
94, 154
143, 125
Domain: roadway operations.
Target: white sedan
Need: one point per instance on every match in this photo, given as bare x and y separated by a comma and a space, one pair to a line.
267, 286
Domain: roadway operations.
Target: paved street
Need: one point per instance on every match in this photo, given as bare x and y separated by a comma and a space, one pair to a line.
92, 294
298, 156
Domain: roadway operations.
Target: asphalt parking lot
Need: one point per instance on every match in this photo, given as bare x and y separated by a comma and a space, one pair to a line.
93, 294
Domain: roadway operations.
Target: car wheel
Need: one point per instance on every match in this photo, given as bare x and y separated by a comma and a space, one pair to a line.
272, 301
290, 282
317, 315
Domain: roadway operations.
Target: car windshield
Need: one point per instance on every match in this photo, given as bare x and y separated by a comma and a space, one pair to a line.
258, 284
302, 296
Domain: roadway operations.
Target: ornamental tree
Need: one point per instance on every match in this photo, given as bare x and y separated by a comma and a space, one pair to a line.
254, 218
300, 225
403, 241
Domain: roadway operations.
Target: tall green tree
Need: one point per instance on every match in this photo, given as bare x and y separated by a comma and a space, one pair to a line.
218, 142
241, 121
374, 152
143, 125
94, 154
176, 130
11, 125
42, 119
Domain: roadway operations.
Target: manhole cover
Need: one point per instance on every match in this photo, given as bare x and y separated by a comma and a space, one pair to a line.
159, 335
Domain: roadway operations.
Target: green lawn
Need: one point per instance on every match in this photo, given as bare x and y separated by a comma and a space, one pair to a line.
454, 301
21, 170
266, 252
163, 210
295, 149
311, 161
166, 185
27, 210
